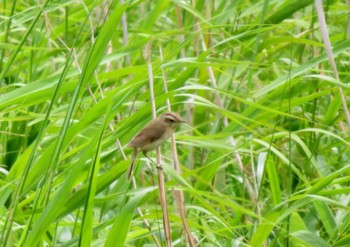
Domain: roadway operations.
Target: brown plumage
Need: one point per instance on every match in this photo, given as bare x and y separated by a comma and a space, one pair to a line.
153, 135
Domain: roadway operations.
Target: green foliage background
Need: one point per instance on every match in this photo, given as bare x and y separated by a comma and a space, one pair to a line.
251, 77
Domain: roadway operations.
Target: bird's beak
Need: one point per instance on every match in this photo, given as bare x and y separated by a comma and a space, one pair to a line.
184, 122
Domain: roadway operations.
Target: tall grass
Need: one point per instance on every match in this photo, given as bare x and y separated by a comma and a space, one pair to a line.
264, 161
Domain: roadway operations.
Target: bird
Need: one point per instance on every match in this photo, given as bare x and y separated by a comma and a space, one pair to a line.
153, 135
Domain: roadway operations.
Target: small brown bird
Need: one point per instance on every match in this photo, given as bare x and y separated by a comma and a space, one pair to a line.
153, 135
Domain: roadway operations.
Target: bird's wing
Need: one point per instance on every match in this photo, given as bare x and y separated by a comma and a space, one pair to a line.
147, 135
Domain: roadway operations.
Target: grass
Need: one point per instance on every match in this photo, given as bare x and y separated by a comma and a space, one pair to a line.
264, 160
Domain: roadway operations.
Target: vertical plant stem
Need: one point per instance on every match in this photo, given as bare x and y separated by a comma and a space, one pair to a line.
125, 35
328, 47
179, 195
161, 184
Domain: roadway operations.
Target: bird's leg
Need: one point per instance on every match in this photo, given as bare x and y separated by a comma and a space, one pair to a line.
158, 166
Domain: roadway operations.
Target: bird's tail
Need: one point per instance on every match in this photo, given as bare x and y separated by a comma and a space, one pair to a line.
134, 155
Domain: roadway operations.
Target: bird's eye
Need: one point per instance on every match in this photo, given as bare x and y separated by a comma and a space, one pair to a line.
172, 120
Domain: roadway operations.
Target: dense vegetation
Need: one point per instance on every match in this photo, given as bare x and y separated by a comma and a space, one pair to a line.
264, 161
